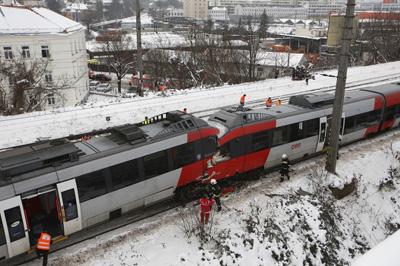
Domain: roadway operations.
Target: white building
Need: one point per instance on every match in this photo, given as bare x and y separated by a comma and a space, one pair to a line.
196, 9
316, 9
41, 35
174, 13
297, 12
218, 14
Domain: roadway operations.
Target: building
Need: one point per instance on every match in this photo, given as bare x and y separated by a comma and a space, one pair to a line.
297, 12
218, 14
32, 35
174, 13
196, 9
319, 9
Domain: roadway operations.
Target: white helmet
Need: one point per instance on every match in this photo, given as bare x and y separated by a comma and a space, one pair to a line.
213, 181
284, 156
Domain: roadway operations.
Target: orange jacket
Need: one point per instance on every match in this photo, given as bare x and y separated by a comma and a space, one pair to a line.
268, 102
44, 242
242, 99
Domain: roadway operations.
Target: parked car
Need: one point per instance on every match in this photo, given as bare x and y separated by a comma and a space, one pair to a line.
103, 87
101, 77
93, 84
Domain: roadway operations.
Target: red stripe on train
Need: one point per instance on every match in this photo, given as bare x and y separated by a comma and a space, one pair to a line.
393, 99
202, 133
247, 129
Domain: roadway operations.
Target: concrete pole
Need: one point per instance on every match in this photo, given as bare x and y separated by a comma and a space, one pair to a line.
139, 48
340, 88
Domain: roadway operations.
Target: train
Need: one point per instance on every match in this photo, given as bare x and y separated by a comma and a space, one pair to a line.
66, 185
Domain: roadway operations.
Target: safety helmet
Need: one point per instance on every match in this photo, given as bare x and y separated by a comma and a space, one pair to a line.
284, 156
213, 181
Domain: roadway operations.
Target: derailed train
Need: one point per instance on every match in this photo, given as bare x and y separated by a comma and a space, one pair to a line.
64, 186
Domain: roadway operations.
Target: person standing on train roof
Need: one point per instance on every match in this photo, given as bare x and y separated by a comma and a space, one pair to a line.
146, 121
184, 110
43, 246
278, 102
285, 167
268, 102
242, 100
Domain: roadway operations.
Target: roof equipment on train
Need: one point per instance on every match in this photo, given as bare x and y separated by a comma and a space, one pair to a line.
312, 100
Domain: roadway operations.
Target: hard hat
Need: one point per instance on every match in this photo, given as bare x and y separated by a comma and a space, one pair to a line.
284, 156
213, 181
205, 174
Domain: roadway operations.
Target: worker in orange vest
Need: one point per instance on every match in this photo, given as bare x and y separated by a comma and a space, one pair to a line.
242, 99
268, 102
278, 102
43, 246
205, 209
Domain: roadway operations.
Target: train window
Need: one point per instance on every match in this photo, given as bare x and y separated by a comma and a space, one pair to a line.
14, 223
237, 147
124, 174
389, 113
279, 136
260, 140
224, 151
91, 185
155, 164
296, 132
183, 155
2, 235
349, 125
311, 128
70, 208
209, 146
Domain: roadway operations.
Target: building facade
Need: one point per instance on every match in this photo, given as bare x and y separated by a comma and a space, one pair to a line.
319, 9
196, 9
297, 12
56, 43
218, 14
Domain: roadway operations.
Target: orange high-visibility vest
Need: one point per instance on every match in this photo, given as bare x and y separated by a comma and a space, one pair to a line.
268, 103
242, 99
43, 242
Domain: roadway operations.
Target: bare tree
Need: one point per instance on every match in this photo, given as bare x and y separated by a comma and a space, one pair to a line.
119, 58
28, 85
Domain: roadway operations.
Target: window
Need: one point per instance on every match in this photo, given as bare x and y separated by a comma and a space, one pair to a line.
25, 52
125, 174
51, 99
155, 164
183, 155
8, 54
91, 185
296, 131
311, 128
260, 140
48, 77
45, 51
2, 234
349, 124
15, 224
71, 210
209, 146
279, 136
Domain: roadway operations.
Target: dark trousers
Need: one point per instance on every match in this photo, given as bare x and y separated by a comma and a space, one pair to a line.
218, 202
283, 174
44, 254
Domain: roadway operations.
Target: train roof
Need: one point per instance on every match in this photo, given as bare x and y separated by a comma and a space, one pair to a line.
385, 89
24, 162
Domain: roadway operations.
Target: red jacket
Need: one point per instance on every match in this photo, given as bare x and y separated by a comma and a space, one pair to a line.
242, 99
206, 204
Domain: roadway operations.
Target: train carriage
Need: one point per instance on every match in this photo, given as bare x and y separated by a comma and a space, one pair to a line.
62, 186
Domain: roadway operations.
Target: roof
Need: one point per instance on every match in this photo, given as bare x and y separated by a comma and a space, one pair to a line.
279, 59
24, 20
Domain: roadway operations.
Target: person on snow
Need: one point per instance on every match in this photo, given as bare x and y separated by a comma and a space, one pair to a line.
268, 102
205, 209
285, 167
215, 191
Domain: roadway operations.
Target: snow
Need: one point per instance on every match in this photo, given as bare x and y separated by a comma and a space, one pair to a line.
74, 120
23, 20
270, 223
279, 59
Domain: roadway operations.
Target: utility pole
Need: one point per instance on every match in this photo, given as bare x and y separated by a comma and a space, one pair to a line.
139, 48
340, 88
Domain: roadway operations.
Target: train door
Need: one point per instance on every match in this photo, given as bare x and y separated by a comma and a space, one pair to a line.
15, 227
70, 206
322, 133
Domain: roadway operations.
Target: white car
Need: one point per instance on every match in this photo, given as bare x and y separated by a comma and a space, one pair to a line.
103, 87
93, 84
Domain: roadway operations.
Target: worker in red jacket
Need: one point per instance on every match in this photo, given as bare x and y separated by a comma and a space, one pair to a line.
242, 99
205, 209
43, 246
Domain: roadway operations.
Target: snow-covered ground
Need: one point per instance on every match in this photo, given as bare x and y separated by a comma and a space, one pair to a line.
297, 222
27, 128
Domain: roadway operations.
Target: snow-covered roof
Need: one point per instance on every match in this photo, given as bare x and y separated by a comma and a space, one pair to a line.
279, 59
76, 7
24, 20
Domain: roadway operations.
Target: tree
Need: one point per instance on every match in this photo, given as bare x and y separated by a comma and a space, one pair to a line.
119, 57
88, 18
114, 10
28, 84
262, 31
99, 10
